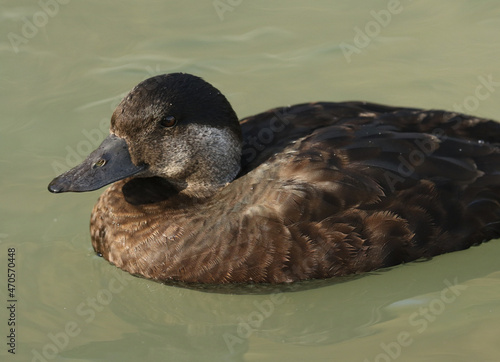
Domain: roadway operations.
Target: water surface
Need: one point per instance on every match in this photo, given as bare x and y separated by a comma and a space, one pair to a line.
65, 66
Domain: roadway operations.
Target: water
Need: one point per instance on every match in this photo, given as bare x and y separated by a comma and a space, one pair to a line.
62, 76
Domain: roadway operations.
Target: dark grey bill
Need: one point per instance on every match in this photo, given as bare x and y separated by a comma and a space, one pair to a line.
110, 162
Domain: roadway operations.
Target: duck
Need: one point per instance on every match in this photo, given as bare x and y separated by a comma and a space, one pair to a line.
310, 191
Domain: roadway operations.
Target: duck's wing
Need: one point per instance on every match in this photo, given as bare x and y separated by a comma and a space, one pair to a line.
363, 186
407, 144
269, 133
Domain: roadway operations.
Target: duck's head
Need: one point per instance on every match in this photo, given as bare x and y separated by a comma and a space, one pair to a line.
175, 126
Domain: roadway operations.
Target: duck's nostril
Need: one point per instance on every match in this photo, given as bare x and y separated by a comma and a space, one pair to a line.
99, 163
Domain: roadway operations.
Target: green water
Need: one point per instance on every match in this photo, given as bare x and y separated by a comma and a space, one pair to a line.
64, 67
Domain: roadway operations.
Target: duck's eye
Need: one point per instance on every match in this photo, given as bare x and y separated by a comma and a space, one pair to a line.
168, 121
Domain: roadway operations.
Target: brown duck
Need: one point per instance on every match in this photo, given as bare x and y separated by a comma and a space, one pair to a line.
309, 191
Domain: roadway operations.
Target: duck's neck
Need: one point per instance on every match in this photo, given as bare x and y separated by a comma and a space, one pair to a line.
209, 177
199, 186
147, 190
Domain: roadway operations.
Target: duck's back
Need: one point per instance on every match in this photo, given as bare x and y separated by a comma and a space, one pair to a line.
325, 189
374, 186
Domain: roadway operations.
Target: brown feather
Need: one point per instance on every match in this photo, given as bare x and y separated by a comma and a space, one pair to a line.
315, 202
310, 191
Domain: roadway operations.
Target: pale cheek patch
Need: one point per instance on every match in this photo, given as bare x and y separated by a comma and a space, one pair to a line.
176, 157
211, 151
221, 142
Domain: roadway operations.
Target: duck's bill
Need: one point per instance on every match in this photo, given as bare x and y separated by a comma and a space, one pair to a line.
110, 162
